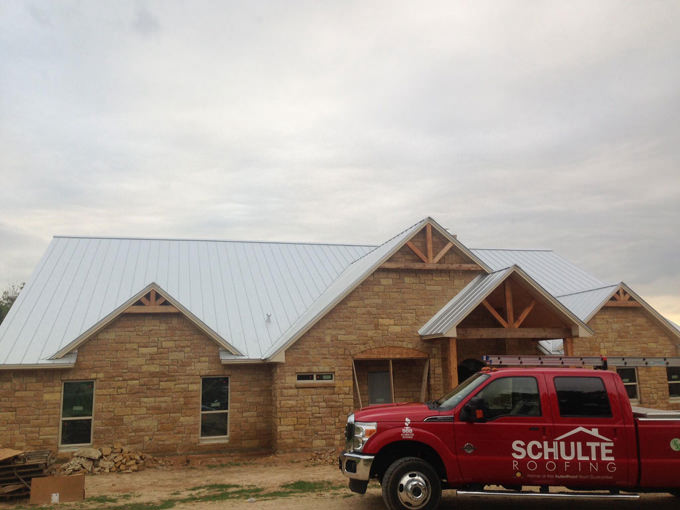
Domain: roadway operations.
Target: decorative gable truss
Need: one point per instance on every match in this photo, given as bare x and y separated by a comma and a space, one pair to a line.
622, 299
152, 302
432, 249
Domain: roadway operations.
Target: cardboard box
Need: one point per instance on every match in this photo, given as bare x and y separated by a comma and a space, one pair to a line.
57, 489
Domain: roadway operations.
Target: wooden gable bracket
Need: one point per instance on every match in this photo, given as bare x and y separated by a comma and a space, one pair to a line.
509, 321
429, 259
152, 302
621, 299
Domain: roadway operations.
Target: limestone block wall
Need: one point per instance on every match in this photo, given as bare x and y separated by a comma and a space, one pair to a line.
633, 332
147, 371
386, 310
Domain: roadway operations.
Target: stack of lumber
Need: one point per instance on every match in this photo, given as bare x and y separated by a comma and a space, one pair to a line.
108, 459
18, 468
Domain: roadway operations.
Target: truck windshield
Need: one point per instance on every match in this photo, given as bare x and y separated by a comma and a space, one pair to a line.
454, 397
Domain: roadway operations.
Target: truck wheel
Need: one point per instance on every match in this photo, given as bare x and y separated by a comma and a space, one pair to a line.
411, 484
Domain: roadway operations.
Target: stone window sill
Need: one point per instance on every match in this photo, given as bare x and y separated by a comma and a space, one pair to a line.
320, 384
214, 440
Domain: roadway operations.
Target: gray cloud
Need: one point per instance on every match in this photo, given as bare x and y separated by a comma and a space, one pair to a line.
514, 124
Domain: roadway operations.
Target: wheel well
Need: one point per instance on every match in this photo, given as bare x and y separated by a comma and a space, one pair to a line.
394, 451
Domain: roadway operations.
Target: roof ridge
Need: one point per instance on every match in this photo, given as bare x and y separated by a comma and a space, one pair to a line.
512, 249
589, 290
390, 239
126, 238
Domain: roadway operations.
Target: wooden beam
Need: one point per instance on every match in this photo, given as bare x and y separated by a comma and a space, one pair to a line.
496, 315
391, 381
152, 309
452, 359
537, 333
569, 346
153, 298
508, 303
423, 383
356, 383
428, 236
144, 300
160, 300
623, 304
415, 250
435, 267
524, 314
442, 252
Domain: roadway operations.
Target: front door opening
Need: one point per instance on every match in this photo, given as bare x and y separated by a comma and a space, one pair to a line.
379, 391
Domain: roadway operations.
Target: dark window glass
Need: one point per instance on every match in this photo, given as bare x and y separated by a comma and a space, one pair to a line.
629, 378
324, 377
77, 399
305, 377
215, 395
582, 396
76, 431
214, 424
673, 381
511, 396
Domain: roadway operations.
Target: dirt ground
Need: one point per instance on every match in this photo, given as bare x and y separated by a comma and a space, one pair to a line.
283, 483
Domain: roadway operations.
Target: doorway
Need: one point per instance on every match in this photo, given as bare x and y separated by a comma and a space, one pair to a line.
379, 388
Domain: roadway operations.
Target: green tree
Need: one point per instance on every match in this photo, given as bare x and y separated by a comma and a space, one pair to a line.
8, 298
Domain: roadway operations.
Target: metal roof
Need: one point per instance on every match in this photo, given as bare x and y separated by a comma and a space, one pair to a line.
586, 303
472, 295
249, 293
554, 273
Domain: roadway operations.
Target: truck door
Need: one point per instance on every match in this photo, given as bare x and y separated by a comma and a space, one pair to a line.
590, 438
516, 410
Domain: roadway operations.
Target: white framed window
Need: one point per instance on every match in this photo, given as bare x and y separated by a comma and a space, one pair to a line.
214, 408
630, 382
77, 413
673, 374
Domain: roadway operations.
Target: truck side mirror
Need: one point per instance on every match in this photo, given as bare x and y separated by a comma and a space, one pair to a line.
473, 411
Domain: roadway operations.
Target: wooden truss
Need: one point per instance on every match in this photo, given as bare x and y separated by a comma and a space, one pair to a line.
152, 302
622, 299
509, 322
429, 259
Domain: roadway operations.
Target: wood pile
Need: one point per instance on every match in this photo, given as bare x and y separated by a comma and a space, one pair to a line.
18, 468
108, 459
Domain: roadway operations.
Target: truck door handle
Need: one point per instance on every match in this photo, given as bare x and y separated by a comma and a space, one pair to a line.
533, 428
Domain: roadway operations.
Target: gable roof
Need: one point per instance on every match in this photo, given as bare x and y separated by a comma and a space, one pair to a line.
356, 273
247, 293
444, 322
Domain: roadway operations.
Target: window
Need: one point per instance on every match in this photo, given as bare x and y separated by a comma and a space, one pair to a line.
582, 396
215, 407
76, 412
316, 377
673, 381
630, 382
511, 396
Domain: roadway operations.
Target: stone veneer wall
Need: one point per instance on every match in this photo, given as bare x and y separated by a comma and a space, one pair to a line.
633, 332
386, 310
147, 371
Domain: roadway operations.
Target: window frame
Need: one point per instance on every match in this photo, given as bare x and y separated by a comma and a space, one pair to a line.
480, 392
214, 439
674, 398
75, 446
636, 384
315, 381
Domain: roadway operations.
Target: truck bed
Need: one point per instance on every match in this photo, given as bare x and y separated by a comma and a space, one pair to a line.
655, 414
658, 433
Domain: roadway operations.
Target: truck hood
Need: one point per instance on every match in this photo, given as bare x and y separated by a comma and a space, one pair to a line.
416, 412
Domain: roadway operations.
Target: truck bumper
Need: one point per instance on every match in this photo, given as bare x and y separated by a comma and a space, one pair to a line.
355, 466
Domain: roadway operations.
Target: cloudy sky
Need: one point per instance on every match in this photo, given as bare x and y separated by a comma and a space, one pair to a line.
514, 124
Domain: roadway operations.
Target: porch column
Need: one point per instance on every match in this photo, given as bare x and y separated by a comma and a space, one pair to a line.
568, 346
453, 364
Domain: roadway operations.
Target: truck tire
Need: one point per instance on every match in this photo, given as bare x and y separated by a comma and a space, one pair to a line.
411, 483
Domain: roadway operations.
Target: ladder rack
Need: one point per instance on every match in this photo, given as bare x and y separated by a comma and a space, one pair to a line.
580, 361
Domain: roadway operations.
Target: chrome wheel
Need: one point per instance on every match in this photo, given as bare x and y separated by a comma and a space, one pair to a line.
414, 490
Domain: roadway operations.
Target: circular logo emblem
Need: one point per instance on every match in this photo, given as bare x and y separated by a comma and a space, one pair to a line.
675, 444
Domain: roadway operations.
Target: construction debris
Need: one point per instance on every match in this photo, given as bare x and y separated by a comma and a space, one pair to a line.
109, 459
18, 468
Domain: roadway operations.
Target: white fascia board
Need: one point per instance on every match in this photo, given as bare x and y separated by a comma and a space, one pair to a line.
454, 240
83, 337
67, 361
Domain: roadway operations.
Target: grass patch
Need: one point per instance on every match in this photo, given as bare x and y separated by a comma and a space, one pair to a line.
150, 505
101, 499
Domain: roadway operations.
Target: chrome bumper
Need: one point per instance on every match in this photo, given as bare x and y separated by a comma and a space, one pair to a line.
355, 465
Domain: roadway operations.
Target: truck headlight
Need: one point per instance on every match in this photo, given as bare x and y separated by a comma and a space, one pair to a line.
362, 433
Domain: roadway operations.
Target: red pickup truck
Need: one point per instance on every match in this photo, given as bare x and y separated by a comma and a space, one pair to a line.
514, 428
